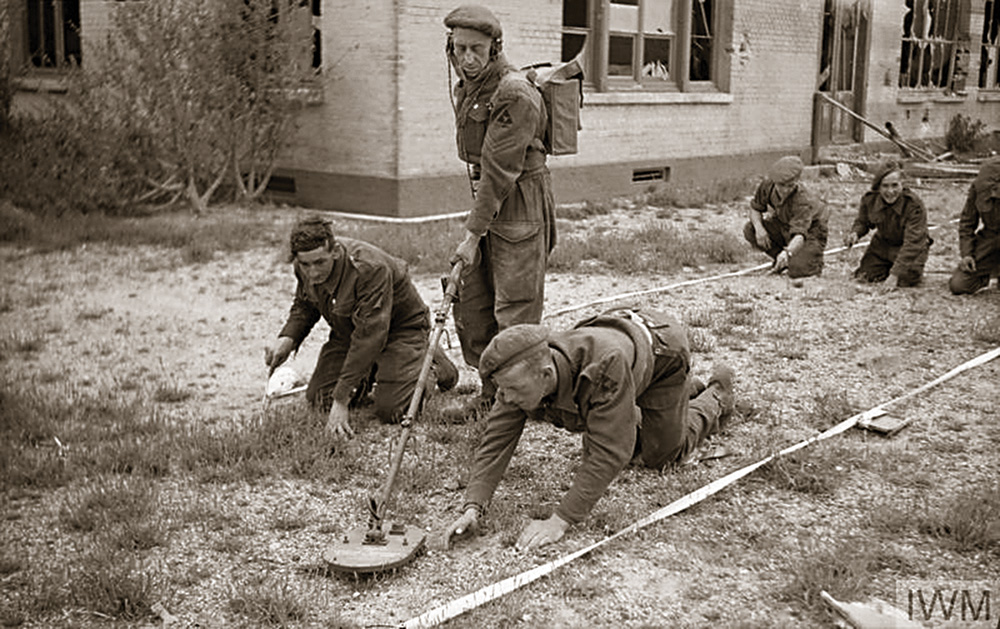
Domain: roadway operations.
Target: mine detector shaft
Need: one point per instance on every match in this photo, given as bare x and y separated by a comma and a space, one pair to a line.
382, 547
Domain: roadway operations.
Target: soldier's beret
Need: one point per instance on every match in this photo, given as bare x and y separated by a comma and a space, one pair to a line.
785, 170
477, 18
511, 345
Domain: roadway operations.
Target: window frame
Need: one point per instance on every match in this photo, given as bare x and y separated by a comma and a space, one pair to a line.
989, 78
596, 50
26, 57
937, 38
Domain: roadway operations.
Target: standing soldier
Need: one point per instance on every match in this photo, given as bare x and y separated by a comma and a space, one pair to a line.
786, 223
379, 326
510, 231
980, 250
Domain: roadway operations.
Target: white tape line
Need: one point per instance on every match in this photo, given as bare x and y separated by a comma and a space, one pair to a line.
701, 280
493, 591
410, 220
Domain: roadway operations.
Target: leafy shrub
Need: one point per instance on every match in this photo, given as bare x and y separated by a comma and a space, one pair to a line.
963, 133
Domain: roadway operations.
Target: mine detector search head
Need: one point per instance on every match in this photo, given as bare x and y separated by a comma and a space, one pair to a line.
383, 546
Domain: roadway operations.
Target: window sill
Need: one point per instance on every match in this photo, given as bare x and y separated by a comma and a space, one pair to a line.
53, 84
988, 96
932, 96
657, 98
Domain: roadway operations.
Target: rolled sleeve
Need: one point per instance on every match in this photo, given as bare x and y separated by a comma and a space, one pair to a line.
803, 212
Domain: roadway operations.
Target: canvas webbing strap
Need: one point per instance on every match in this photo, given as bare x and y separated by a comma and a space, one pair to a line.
496, 590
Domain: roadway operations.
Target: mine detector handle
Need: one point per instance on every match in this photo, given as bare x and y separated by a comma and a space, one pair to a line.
378, 508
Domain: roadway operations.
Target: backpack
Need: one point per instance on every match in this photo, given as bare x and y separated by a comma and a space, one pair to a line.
561, 86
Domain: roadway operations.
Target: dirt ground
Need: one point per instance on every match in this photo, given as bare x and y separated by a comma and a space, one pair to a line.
119, 319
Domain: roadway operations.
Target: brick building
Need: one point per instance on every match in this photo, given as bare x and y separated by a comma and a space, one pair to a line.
678, 90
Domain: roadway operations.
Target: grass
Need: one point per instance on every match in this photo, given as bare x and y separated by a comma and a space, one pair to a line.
151, 503
655, 247
689, 196
969, 519
986, 329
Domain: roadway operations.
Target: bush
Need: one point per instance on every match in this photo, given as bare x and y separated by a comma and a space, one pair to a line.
57, 162
964, 133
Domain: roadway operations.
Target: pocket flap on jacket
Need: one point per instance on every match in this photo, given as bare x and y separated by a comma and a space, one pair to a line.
515, 231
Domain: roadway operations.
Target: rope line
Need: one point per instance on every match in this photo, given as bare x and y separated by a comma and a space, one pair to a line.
493, 591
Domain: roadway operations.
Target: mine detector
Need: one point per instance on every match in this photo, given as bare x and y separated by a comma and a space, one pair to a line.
382, 545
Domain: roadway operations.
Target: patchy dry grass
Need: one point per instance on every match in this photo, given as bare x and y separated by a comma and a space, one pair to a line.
124, 488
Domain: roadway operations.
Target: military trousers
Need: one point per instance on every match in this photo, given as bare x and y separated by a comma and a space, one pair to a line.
880, 257
986, 253
808, 260
505, 284
673, 422
394, 375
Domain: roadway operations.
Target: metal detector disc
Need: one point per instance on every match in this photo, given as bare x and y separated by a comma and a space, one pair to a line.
353, 552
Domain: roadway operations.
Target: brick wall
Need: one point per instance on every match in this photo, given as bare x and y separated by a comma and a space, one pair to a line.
926, 114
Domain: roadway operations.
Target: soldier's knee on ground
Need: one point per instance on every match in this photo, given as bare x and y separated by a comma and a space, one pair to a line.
909, 278
805, 264
962, 283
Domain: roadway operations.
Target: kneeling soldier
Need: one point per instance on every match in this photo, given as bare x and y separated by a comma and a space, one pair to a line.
622, 379
980, 249
379, 326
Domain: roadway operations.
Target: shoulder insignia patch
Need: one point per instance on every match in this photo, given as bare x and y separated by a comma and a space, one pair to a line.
505, 119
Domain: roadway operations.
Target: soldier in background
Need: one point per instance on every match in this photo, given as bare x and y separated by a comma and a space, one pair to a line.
786, 222
901, 243
980, 250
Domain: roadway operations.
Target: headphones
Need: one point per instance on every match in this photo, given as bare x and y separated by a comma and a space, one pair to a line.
496, 46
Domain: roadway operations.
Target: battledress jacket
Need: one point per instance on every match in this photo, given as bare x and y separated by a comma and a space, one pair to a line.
500, 129
601, 371
798, 213
982, 204
368, 293
902, 224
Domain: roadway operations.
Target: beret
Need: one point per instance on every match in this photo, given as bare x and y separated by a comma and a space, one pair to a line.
510, 346
883, 168
476, 17
785, 170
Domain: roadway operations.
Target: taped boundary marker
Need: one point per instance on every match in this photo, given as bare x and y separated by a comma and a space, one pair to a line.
700, 280
493, 591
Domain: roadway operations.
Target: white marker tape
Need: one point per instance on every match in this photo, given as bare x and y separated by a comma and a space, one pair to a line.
493, 591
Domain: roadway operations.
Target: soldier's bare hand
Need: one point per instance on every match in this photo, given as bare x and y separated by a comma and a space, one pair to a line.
466, 250
763, 240
968, 264
780, 262
465, 526
541, 532
277, 352
337, 425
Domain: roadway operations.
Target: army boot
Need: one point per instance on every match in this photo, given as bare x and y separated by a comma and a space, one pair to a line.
445, 372
721, 386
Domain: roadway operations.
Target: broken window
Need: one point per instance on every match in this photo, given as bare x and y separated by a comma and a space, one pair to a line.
989, 56
649, 43
53, 33
931, 34
701, 40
